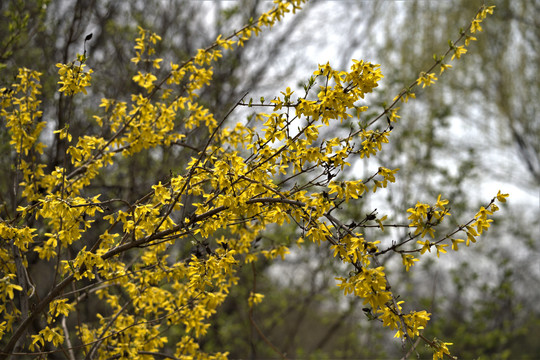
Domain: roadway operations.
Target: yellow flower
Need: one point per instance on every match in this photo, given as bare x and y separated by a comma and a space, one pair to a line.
73, 78
145, 80
468, 39
255, 298
444, 67
408, 261
455, 243
501, 197
426, 246
475, 26
460, 50
426, 79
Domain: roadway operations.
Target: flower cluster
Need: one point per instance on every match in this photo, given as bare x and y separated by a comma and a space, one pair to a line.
73, 78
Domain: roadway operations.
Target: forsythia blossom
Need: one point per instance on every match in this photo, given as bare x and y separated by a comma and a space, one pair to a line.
73, 78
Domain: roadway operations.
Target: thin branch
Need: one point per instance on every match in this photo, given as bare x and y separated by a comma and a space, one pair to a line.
71, 354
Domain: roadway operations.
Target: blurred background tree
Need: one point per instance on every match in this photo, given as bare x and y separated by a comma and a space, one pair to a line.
495, 88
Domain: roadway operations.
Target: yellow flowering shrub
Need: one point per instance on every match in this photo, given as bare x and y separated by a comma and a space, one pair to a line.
244, 180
